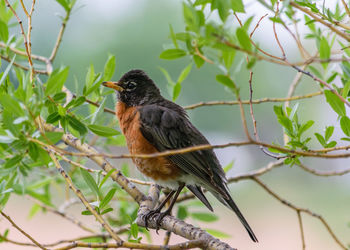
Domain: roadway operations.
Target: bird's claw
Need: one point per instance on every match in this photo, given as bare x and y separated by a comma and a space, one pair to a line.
160, 217
147, 216
159, 220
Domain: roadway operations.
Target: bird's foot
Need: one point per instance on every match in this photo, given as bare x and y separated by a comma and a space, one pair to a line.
160, 217
149, 215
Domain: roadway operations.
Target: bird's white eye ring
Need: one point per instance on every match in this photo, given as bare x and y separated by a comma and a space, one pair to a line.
130, 86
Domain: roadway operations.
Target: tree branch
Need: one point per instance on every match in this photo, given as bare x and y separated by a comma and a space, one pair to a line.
22, 231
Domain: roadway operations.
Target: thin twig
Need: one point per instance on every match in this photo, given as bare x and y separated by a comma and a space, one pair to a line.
42, 72
320, 20
80, 195
26, 42
257, 101
274, 31
288, 204
346, 7
198, 53
310, 153
185, 245
324, 173
65, 216
22, 231
301, 230
322, 83
166, 238
60, 35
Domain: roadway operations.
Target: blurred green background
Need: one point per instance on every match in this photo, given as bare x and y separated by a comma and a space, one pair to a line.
136, 31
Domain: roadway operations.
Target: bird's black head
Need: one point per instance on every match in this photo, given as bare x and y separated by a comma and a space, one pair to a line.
135, 88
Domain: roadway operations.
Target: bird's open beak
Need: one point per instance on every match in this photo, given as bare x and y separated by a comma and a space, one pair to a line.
113, 85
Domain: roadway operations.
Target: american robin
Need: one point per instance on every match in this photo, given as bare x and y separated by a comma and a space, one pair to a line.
153, 124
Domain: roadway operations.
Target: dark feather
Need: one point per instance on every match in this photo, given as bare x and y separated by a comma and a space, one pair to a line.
166, 126
197, 191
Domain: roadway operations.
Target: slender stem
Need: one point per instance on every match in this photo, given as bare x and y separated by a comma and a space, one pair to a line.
185, 245
80, 195
60, 35
303, 210
300, 220
26, 44
346, 7
22, 231
320, 20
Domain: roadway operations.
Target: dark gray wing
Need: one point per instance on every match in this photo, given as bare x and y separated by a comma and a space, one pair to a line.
168, 129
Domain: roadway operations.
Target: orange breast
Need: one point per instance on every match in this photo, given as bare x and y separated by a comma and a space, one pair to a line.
158, 168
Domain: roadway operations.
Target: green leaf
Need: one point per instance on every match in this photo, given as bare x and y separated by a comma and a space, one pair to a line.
329, 132
217, 233
86, 212
320, 139
225, 80
345, 125
228, 167
198, 61
334, 101
90, 182
167, 76
171, 54
134, 229
7, 70
99, 111
243, 39
305, 127
33, 151
95, 86
173, 36
346, 89
325, 50
77, 125
106, 177
176, 91
184, 73
107, 198
107, 210
207, 217
59, 96
11, 105
182, 212
33, 211
54, 117
315, 71
287, 124
194, 19
103, 130
331, 144
56, 81
109, 68
64, 4
13, 161
223, 7
237, 6
90, 77
4, 31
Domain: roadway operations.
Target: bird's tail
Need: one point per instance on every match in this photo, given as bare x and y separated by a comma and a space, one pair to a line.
232, 205
197, 191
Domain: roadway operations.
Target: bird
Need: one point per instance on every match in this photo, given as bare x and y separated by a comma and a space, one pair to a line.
153, 124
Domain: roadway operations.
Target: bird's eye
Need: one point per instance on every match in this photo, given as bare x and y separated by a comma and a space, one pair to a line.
130, 86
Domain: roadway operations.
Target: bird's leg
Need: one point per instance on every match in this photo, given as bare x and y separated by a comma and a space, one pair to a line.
168, 211
158, 209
